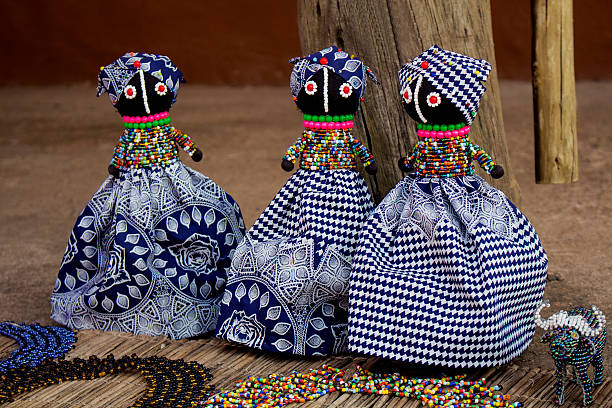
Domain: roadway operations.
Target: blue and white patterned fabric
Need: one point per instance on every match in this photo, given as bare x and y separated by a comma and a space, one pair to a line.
447, 272
114, 77
287, 288
457, 76
149, 255
341, 62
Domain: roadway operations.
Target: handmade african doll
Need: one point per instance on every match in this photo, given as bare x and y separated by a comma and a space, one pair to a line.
287, 289
448, 271
150, 251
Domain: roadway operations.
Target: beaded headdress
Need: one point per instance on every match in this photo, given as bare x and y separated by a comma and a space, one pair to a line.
458, 77
342, 63
114, 77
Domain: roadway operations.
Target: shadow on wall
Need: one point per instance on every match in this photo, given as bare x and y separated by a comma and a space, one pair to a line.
238, 43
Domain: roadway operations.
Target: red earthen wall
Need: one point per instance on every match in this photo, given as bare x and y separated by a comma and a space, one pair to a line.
242, 42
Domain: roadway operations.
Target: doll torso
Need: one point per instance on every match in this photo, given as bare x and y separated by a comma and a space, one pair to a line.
151, 147
324, 149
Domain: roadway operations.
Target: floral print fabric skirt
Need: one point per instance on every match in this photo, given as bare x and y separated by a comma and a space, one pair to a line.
448, 272
287, 288
149, 255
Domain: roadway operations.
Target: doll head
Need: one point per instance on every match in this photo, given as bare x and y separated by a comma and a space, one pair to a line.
329, 82
443, 87
140, 84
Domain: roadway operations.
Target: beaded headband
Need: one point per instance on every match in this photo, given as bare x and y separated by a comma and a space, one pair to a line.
457, 76
114, 77
347, 66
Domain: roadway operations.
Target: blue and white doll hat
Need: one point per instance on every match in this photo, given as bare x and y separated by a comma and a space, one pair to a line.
342, 63
456, 76
114, 77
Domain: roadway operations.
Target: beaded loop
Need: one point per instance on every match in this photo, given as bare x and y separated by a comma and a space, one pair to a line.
35, 344
170, 383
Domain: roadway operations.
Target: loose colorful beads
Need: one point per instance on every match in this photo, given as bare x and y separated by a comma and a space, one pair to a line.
277, 390
170, 383
35, 343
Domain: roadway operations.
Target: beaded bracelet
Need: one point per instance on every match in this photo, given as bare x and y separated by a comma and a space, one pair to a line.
172, 383
35, 343
278, 390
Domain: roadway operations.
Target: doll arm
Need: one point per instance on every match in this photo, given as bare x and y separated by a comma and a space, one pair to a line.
185, 142
117, 161
406, 163
293, 152
485, 161
364, 155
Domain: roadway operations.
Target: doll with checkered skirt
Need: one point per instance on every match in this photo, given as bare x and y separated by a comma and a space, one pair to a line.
448, 271
149, 252
287, 289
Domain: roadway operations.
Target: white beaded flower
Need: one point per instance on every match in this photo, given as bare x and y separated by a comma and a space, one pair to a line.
310, 87
161, 88
130, 91
346, 90
434, 99
407, 95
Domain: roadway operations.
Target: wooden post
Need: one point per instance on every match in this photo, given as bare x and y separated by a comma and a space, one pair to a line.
385, 35
554, 92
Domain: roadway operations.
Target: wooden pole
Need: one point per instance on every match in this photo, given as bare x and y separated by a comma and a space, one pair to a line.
554, 92
386, 34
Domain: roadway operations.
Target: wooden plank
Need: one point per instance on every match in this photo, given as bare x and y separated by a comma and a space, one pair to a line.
554, 92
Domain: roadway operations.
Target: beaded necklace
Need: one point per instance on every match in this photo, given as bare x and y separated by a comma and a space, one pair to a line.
278, 390
170, 383
35, 344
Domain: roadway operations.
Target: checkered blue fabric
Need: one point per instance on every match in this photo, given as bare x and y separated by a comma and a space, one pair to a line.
458, 77
347, 66
287, 288
447, 272
114, 77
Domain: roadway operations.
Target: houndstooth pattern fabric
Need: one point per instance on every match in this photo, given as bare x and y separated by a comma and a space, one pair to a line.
458, 77
287, 288
447, 272
149, 255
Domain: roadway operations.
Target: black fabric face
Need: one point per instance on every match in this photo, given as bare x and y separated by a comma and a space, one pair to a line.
337, 104
445, 113
135, 106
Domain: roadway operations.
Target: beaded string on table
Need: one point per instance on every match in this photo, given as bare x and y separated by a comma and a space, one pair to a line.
446, 151
280, 390
328, 144
149, 142
35, 343
169, 383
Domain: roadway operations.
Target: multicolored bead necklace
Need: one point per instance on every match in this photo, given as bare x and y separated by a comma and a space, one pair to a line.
170, 383
277, 390
150, 146
446, 151
328, 145
35, 344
